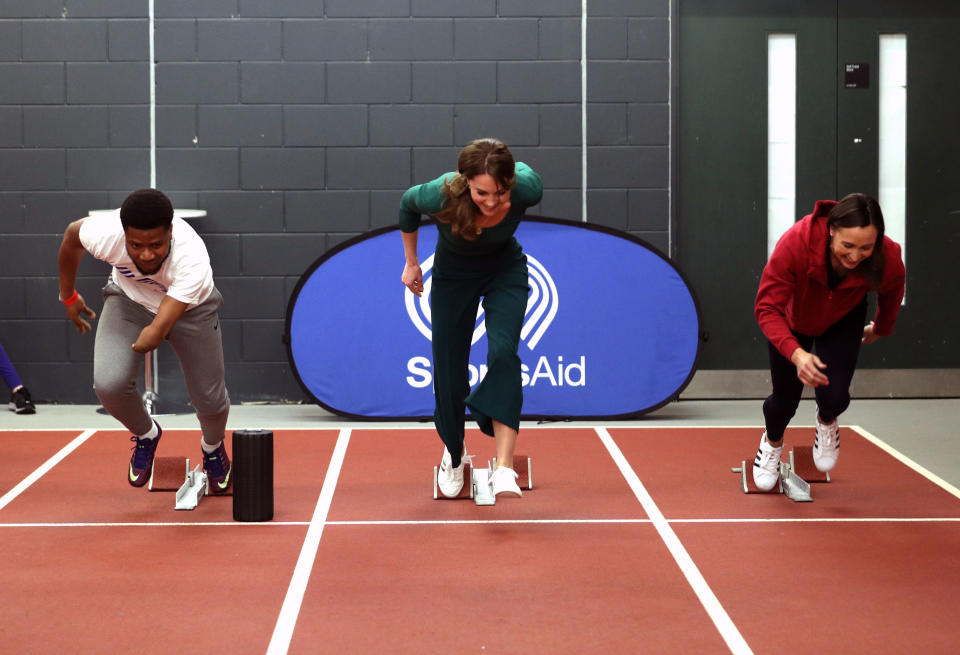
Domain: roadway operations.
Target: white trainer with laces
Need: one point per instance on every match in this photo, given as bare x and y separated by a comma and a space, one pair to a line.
450, 478
766, 465
826, 446
504, 481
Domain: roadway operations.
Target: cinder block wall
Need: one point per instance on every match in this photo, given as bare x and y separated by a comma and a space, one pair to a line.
297, 124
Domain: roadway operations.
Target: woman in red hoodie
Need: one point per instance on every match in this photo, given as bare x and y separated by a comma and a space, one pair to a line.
813, 291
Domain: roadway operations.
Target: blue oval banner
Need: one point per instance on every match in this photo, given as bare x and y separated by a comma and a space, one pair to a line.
611, 328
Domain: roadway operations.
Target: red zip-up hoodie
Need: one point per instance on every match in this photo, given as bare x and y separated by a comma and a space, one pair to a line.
794, 294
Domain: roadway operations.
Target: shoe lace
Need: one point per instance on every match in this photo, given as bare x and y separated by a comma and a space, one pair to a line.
828, 435
213, 463
142, 448
503, 471
770, 459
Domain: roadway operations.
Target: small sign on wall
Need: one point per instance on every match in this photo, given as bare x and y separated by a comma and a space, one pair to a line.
856, 76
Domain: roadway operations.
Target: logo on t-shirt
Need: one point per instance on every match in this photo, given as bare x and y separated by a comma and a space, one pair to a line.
139, 278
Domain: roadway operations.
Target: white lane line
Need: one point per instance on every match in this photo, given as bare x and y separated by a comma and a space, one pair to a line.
144, 524
731, 635
43, 468
283, 631
382, 522
890, 450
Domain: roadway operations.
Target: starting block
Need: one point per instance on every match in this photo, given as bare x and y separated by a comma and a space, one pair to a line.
789, 483
465, 492
523, 465
482, 493
192, 490
477, 481
801, 461
168, 473
174, 474
746, 480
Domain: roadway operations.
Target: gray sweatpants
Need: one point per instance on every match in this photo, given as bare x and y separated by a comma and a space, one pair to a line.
195, 339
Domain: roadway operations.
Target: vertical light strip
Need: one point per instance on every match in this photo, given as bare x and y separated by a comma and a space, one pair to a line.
893, 137
151, 368
781, 135
153, 99
670, 129
583, 109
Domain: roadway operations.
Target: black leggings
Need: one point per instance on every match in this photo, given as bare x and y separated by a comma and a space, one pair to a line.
838, 348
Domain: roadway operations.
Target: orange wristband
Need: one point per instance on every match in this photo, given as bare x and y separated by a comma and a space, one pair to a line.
72, 299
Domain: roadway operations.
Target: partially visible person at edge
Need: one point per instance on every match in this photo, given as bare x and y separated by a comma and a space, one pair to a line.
161, 288
811, 306
478, 209
20, 400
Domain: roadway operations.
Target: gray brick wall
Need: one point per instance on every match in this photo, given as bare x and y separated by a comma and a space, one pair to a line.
297, 124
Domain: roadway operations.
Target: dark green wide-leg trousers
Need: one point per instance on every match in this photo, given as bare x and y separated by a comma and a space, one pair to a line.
454, 299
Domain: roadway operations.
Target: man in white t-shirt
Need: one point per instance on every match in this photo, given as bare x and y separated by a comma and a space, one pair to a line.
161, 287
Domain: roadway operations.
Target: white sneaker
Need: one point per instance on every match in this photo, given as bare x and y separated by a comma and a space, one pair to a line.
766, 465
826, 446
450, 478
504, 481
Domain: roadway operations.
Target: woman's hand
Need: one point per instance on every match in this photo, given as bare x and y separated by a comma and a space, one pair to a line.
869, 336
412, 278
808, 368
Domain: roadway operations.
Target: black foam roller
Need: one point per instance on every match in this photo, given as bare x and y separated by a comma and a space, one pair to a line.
252, 475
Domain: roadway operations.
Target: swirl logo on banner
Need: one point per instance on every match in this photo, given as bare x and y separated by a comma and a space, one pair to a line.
624, 340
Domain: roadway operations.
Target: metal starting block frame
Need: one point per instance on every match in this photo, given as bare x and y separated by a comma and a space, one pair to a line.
194, 488
792, 484
482, 493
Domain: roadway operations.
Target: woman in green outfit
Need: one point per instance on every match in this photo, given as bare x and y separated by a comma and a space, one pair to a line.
478, 209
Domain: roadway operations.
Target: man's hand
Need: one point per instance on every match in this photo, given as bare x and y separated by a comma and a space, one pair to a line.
150, 337
169, 312
76, 311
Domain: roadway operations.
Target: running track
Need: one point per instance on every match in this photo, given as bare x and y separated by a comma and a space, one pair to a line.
635, 540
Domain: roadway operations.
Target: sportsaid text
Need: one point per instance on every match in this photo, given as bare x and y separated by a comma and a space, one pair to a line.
556, 374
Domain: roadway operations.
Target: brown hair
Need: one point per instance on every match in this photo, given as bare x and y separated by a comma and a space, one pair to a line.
860, 210
480, 156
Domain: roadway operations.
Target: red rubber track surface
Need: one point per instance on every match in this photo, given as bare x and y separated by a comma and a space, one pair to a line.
91, 564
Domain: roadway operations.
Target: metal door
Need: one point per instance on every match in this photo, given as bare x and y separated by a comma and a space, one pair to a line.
721, 190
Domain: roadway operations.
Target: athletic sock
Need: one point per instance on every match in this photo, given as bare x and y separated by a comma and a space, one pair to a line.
207, 448
152, 434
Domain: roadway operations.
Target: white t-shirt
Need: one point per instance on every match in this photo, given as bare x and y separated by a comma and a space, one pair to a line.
185, 275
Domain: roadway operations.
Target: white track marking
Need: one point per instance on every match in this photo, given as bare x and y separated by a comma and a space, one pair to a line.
731, 635
283, 631
239, 525
43, 468
896, 454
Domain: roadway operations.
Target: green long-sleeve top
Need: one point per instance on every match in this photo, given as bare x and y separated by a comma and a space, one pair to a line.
428, 198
